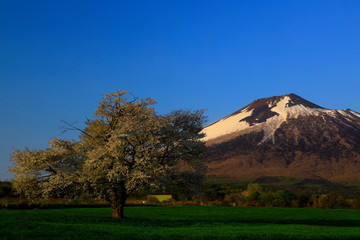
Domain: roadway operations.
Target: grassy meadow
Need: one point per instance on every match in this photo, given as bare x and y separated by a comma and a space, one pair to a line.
181, 222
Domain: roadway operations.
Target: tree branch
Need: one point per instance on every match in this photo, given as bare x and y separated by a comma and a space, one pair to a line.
72, 127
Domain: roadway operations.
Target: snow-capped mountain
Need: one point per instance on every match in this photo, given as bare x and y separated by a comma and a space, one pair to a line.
285, 136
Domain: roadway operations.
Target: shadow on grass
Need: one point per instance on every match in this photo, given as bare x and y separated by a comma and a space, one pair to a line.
184, 222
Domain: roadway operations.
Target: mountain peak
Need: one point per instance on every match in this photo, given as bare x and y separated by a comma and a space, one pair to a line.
268, 112
289, 105
288, 100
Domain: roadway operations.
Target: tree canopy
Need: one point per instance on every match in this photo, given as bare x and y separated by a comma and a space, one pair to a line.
125, 147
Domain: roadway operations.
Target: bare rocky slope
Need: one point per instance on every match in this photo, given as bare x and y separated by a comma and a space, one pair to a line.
285, 136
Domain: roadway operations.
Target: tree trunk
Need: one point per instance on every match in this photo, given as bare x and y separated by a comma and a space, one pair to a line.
118, 211
117, 199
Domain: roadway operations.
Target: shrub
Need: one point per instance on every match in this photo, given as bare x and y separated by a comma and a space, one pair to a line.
153, 201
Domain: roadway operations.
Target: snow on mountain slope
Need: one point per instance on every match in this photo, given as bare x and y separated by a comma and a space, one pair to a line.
228, 125
268, 114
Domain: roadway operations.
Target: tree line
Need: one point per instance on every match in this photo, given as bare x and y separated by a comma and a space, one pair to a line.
256, 195
253, 195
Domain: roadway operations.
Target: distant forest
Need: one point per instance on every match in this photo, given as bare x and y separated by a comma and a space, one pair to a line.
260, 192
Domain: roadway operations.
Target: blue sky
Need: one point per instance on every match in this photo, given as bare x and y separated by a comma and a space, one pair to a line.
58, 57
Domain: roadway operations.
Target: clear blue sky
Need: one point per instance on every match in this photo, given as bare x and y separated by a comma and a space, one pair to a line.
58, 57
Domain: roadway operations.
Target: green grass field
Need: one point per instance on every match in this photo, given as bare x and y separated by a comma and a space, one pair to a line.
181, 222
